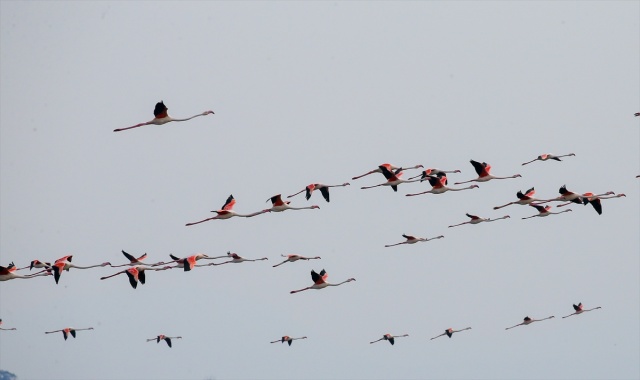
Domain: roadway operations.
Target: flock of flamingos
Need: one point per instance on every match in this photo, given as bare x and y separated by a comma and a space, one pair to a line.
136, 267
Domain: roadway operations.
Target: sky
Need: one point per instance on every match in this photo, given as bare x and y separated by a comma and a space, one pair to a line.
319, 92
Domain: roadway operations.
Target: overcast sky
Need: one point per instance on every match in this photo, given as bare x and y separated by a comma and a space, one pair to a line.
306, 93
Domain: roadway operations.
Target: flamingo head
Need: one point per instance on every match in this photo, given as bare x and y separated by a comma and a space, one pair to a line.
457, 171
105, 264
207, 112
351, 279
517, 176
346, 184
474, 187
315, 206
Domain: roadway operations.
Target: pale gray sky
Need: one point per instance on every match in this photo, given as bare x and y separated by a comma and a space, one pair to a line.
320, 92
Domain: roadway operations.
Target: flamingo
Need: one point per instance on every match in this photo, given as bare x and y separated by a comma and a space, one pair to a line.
544, 211
390, 338
13, 328
594, 200
393, 179
579, 309
235, 258
136, 273
523, 199
135, 261
161, 117
6, 274
279, 205
636, 114
227, 212
324, 190
548, 156
165, 338
570, 196
64, 263
449, 332
438, 185
320, 281
67, 331
292, 258
413, 240
528, 321
288, 339
189, 262
36, 264
434, 172
483, 170
389, 167
476, 219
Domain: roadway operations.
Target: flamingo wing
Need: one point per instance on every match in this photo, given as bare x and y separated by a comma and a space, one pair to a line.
481, 168
539, 208
133, 278
325, 193
391, 340
408, 237
141, 276
168, 340
276, 200
388, 174
160, 109
309, 189
73, 333
130, 257
228, 205
473, 216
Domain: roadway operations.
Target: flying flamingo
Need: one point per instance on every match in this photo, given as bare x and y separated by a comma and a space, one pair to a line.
136, 273
544, 211
439, 185
227, 212
476, 219
528, 321
67, 331
483, 170
636, 114
594, 200
449, 332
36, 264
165, 338
134, 261
13, 328
320, 281
7, 274
548, 156
279, 205
189, 262
292, 258
64, 263
288, 339
390, 338
579, 309
570, 196
389, 167
523, 199
161, 117
434, 172
235, 258
413, 240
324, 190
393, 179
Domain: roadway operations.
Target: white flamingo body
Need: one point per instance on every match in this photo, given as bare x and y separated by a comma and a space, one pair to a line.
136, 273
548, 156
278, 205
36, 264
324, 190
544, 211
294, 258
523, 199
226, 212
413, 240
64, 264
236, 259
579, 309
528, 321
393, 179
7, 274
439, 185
162, 117
390, 338
320, 281
288, 339
477, 220
68, 331
449, 332
167, 339
389, 167
483, 169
